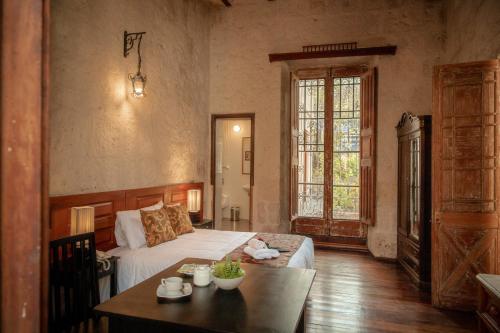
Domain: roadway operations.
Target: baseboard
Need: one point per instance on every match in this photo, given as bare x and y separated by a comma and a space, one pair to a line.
341, 246
384, 259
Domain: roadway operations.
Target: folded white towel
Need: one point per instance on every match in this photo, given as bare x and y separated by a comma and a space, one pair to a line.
261, 253
257, 244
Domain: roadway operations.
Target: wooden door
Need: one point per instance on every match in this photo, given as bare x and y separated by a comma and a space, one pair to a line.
368, 146
465, 193
294, 146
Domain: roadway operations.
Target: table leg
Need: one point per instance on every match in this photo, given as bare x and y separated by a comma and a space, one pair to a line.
113, 325
113, 281
301, 327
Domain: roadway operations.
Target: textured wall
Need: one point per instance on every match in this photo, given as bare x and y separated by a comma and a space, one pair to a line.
242, 80
473, 30
101, 137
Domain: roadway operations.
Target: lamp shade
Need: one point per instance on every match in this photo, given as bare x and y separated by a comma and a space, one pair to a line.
82, 220
194, 200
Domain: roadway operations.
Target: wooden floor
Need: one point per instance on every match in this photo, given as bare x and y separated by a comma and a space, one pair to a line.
355, 293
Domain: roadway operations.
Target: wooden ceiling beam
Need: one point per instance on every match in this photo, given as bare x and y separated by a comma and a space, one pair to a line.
358, 52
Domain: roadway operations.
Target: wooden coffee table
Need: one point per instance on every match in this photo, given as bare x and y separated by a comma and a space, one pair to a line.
268, 300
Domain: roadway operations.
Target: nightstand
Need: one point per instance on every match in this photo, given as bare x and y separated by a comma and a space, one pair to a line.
112, 272
205, 224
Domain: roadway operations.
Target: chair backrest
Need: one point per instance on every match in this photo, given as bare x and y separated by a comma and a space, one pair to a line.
73, 291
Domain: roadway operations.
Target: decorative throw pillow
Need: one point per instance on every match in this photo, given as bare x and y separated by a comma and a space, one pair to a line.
128, 227
157, 228
179, 219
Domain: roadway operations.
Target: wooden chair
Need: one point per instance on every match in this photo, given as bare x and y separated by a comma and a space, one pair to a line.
73, 290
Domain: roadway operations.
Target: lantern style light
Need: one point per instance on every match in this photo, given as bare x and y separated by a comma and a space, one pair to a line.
138, 80
138, 84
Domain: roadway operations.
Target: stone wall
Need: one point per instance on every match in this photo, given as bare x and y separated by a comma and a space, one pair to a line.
243, 80
104, 139
201, 58
473, 30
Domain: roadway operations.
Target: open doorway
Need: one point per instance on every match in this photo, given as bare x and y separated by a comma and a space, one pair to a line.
232, 171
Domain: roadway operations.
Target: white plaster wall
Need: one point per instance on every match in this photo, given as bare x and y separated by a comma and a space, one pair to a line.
473, 30
243, 80
101, 137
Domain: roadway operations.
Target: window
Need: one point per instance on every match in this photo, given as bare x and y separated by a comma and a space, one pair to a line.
346, 116
333, 124
311, 113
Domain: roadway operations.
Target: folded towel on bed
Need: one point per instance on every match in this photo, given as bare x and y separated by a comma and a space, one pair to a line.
261, 253
257, 244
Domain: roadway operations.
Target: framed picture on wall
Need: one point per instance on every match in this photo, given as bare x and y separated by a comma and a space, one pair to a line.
246, 148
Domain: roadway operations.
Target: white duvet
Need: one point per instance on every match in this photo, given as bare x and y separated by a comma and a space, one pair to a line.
135, 266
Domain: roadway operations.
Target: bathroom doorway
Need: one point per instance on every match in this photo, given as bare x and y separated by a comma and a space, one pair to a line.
232, 171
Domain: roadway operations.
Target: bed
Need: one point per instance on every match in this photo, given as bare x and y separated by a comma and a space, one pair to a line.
139, 264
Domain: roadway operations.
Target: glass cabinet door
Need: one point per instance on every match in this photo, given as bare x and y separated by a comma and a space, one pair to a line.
414, 188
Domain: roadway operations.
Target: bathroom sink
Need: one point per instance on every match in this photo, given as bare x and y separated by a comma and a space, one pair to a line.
246, 187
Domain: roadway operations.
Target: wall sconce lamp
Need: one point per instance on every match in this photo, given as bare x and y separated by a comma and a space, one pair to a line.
138, 80
236, 128
194, 205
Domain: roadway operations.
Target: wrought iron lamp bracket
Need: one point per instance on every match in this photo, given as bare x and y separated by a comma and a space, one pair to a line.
129, 39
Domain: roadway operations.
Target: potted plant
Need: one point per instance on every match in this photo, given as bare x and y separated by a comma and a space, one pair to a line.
228, 274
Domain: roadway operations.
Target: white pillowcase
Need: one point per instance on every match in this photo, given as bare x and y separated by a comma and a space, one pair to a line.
128, 227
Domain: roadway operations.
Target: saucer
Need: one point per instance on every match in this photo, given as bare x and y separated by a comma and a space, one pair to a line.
184, 294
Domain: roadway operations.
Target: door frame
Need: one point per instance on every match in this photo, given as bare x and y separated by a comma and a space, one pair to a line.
24, 165
213, 127
320, 228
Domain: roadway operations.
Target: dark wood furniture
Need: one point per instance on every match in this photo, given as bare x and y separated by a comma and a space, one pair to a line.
112, 272
465, 180
106, 205
488, 310
73, 290
414, 197
268, 300
205, 224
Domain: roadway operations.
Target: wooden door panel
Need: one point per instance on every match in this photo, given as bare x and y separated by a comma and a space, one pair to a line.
348, 229
464, 253
465, 209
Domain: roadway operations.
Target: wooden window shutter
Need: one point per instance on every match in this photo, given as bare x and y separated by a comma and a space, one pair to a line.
368, 146
294, 146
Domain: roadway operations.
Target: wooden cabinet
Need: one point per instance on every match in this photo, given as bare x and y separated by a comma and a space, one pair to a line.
414, 199
465, 181
488, 310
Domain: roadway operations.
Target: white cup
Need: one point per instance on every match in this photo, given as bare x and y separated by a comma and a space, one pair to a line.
173, 285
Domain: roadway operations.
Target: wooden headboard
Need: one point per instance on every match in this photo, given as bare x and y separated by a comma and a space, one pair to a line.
106, 205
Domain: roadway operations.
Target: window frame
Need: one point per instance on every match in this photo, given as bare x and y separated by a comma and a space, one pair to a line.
321, 225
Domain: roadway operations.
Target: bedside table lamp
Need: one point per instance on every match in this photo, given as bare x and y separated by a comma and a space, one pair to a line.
82, 220
194, 204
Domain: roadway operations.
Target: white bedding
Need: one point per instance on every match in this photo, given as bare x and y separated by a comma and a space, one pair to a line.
135, 266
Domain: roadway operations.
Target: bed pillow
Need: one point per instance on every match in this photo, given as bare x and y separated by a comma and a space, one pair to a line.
157, 227
179, 219
128, 227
